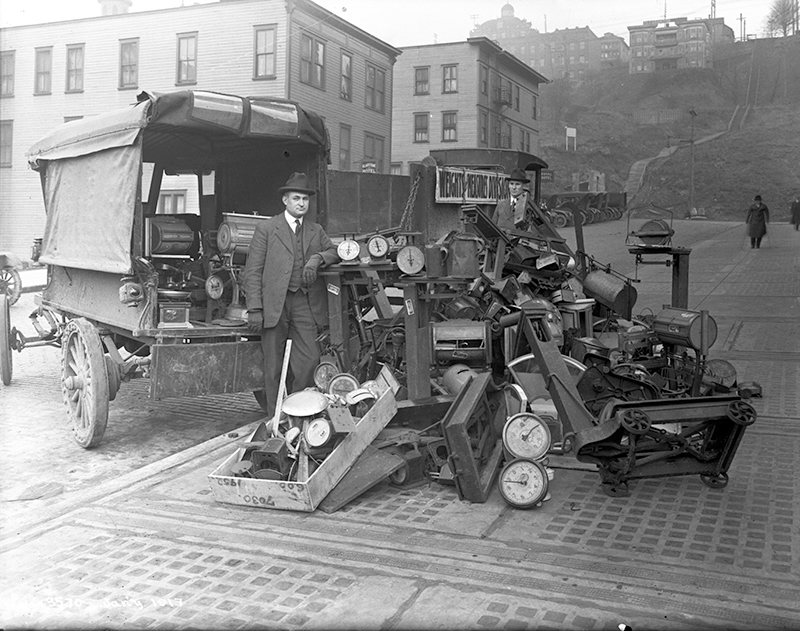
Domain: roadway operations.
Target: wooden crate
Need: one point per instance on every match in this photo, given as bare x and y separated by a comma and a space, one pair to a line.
306, 496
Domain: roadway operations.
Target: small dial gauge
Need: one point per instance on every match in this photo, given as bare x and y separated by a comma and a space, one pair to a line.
341, 384
526, 435
323, 375
215, 287
410, 260
318, 432
348, 250
378, 247
523, 483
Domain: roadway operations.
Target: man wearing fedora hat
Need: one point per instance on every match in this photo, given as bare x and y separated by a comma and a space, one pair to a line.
285, 297
756, 221
511, 213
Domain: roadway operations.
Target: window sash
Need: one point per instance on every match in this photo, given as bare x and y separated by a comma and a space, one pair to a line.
312, 62
346, 88
265, 47
44, 65
187, 59
373, 150
421, 81
421, 128
375, 96
345, 137
6, 139
449, 78
129, 64
75, 69
7, 74
449, 127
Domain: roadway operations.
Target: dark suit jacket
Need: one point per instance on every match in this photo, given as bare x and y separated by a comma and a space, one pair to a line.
502, 214
269, 267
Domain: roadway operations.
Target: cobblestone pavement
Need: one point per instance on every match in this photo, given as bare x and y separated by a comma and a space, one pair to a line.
150, 548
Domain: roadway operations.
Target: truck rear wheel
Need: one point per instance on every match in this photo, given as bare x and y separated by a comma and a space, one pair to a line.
6, 361
84, 382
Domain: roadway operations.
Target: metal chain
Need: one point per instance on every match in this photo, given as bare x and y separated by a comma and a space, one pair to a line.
408, 212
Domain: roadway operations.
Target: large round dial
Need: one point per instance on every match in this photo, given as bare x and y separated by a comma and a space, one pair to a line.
318, 432
526, 435
341, 384
523, 483
215, 286
378, 246
323, 375
348, 250
410, 260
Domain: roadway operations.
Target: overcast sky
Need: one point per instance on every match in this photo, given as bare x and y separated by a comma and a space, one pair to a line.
415, 22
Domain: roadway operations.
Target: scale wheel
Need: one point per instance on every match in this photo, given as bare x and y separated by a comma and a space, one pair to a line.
84, 382
635, 421
741, 413
616, 490
399, 477
714, 481
6, 361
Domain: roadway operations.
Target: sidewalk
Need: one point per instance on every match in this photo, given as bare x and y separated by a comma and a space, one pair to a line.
152, 549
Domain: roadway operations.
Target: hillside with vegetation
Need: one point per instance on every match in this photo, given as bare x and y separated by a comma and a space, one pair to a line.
621, 119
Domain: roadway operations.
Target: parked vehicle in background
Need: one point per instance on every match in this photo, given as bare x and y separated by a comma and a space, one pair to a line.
10, 280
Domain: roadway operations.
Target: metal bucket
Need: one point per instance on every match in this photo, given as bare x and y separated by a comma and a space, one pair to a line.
435, 257
456, 376
462, 258
611, 291
683, 328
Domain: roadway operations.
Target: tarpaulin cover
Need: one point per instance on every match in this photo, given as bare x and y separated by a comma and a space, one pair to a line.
91, 166
90, 202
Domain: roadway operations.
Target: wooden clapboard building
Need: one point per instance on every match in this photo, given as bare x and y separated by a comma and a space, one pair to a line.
293, 49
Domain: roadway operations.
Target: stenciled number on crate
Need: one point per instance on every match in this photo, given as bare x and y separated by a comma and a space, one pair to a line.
256, 499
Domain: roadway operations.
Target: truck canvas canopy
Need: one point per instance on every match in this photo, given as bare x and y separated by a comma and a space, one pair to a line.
91, 168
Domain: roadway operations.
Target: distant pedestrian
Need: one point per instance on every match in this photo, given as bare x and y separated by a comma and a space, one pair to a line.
796, 212
757, 220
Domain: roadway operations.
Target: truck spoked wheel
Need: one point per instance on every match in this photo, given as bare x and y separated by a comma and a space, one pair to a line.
84, 382
6, 361
10, 284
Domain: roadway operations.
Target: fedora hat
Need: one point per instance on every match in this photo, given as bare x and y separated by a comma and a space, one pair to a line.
518, 175
297, 182
757, 198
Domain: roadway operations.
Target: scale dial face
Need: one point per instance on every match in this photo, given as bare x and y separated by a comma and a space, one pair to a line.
523, 483
410, 260
341, 384
348, 250
318, 432
215, 286
378, 246
526, 435
323, 375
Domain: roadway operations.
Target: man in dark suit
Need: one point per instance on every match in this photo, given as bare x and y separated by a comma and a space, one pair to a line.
511, 213
285, 297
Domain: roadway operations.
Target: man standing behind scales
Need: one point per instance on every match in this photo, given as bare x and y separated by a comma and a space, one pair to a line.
511, 213
286, 300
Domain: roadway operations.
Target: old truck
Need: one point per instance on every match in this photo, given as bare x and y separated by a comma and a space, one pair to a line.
143, 275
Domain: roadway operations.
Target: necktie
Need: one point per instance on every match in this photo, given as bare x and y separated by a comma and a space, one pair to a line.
297, 226
513, 204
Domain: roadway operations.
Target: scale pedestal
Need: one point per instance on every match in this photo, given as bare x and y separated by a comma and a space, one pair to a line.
679, 262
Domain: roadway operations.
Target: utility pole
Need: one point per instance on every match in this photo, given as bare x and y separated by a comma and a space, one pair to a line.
741, 28
693, 114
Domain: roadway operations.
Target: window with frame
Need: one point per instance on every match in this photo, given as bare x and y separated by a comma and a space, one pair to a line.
7, 73
129, 63
483, 132
396, 168
449, 79
496, 133
373, 150
516, 98
421, 129
346, 88
506, 137
449, 127
44, 71
75, 68
6, 136
528, 141
375, 96
534, 106
265, 52
171, 202
187, 58
345, 135
484, 80
421, 80
312, 62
